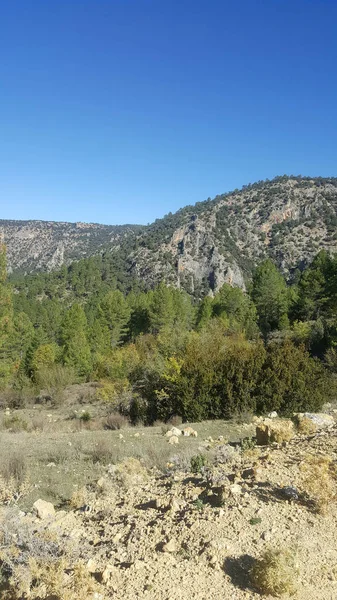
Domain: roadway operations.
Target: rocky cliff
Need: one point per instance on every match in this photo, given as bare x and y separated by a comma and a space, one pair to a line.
200, 247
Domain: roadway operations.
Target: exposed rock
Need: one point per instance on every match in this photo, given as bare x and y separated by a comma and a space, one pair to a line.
43, 509
189, 431
173, 440
272, 415
171, 546
321, 420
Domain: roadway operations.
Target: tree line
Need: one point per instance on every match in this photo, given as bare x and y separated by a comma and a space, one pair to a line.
159, 352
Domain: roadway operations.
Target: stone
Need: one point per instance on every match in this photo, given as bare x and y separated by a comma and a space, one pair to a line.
173, 440
235, 489
43, 509
272, 415
176, 431
321, 420
289, 493
274, 430
171, 546
190, 432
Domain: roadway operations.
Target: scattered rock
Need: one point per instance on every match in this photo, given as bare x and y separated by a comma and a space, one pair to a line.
289, 493
171, 546
235, 489
321, 420
173, 440
43, 509
190, 432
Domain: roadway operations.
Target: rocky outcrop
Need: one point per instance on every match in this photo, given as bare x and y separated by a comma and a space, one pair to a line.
200, 247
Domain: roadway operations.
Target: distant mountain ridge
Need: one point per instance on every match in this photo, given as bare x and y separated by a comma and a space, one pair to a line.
47, 245
199, 247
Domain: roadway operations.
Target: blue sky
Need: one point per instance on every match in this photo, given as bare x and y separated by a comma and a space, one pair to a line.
121, 111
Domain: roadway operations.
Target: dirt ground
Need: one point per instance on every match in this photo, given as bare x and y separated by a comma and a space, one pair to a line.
157, 530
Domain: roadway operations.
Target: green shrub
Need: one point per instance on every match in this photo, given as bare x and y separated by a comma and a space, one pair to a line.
198, 463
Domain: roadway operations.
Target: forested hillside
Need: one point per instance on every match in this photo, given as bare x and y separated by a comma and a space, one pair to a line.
159, 352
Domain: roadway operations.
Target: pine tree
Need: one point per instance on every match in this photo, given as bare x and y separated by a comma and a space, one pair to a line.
74, 339
271, 298
114, 314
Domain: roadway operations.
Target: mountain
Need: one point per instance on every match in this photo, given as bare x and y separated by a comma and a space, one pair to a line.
45, 245
199, 247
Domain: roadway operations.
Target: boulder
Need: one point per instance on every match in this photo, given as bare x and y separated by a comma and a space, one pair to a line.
272, 415
176, 431
321, 420
190, 432
173, 440
274, 430
43, 509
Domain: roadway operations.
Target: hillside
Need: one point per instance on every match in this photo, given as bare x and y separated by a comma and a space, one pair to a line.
200, 247
45, 245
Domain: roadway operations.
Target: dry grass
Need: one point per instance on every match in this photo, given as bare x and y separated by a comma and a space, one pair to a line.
305, 426
276, 572
319, 481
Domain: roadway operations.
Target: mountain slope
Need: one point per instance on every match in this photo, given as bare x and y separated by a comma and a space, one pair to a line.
45, 245
200, 247
288, 219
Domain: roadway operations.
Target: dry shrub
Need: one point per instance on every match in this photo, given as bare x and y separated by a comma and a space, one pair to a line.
276, 572
101, 452
38, 423
305, 426
79, 498
319, 481
53, 380
14, 423
36, 563
115, 421
14, 480
130, 472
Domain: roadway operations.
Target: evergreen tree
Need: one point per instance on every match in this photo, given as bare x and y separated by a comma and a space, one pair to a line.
114, 314
6, 318
74, 340
270, 295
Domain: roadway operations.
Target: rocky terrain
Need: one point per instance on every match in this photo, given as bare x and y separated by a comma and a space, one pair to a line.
46, 246
200, 247
189, 531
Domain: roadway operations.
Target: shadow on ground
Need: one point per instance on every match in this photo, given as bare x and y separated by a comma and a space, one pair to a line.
238, 570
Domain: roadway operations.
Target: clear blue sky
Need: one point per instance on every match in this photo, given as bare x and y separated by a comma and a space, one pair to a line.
121, 111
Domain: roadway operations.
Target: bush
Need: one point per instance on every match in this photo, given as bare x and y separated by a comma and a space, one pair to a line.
15, 423
276, 572
130, 472
115, 421
54, 379
101, 452
85, 416
291, 381
37, 563
198, 463
319, 481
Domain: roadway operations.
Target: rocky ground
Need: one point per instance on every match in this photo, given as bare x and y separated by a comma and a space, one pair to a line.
179, 534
